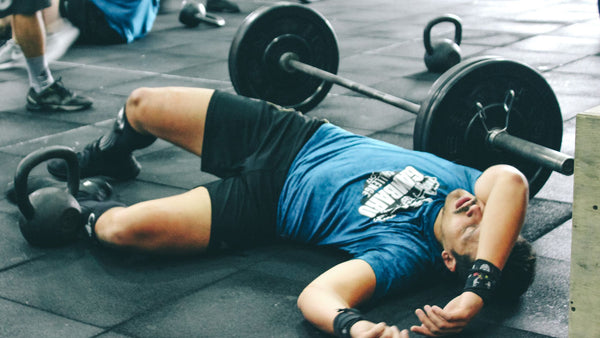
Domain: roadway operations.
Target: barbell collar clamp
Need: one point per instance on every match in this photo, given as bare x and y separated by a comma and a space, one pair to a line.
546, 157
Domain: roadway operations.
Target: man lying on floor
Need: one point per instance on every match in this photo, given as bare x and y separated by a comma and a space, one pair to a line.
404, 216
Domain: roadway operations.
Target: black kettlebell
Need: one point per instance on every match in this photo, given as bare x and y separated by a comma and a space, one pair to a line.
50, 216
442, 55
193, 13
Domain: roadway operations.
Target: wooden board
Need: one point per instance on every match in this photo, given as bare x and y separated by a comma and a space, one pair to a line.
584, 306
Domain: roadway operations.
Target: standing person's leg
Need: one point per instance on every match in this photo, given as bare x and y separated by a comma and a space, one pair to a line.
45, 93
30, 34
26, 25
60, 33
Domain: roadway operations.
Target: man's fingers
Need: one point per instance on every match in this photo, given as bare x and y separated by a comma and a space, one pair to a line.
439, 321
433, 322
427, 326
422, 330
376, 331
448, 317
394, 332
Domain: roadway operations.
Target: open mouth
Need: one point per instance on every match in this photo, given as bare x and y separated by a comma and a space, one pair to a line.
463, 204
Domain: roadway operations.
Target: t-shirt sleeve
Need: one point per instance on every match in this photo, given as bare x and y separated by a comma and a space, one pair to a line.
397, 268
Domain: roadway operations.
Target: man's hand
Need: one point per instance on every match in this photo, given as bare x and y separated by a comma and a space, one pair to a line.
367, 329
453, 318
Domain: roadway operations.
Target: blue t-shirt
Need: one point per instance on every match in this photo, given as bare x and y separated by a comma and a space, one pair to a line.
132, 19
372, 199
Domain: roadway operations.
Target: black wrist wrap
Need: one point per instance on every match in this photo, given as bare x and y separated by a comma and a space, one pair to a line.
344, 321
482, 279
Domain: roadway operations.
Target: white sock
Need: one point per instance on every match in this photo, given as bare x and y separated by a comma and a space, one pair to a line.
40, 77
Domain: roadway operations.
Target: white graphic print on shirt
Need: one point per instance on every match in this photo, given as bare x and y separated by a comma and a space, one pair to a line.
386, 193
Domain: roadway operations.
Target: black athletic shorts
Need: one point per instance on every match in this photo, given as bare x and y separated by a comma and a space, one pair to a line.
250, 144
26, 7
91, 22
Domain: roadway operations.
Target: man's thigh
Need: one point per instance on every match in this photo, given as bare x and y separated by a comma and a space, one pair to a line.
175, 224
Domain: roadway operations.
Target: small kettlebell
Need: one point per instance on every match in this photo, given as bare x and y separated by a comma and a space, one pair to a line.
442, 55
50, 216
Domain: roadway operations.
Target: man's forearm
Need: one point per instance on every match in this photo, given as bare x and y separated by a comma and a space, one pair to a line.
319, 307
503, 219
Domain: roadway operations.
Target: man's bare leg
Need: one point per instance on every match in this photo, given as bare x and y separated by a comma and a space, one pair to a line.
29, 33
174, 114
176, 224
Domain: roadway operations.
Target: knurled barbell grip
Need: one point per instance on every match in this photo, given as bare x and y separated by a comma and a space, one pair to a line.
289, 62
546, 157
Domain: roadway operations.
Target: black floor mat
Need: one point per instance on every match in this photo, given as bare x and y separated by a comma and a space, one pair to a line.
543, 216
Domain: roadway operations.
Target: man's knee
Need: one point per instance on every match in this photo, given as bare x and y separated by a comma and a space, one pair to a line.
113, 228
138, 106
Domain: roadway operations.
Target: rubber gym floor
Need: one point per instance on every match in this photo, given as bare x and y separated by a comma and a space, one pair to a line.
85, 291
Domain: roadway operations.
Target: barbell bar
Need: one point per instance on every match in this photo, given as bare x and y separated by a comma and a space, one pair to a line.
287, 54
290, 62
496, 137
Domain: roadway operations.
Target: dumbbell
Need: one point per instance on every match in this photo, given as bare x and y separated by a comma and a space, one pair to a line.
194, 13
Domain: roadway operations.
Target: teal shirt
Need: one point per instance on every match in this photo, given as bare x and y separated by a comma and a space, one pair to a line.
132, 19
372, 199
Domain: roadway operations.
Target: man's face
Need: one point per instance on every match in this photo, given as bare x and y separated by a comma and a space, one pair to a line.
460, 218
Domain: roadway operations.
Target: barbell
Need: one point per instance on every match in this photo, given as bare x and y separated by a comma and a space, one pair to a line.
483, 111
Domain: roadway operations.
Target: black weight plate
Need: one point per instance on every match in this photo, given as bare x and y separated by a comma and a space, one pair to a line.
446, 126
260, 41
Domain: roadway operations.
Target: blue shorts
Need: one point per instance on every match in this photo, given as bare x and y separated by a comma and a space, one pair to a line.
249, 144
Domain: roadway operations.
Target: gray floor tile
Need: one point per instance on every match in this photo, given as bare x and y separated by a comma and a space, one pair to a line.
235, 306
24, 321
14, 250
110, 287
76, 138
544, 307
80, 291
18, 128
556, 244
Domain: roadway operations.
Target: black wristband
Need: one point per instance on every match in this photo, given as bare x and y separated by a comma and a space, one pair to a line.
482, 279
344, 321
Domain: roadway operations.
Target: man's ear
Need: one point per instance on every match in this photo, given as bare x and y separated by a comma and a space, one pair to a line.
449, 260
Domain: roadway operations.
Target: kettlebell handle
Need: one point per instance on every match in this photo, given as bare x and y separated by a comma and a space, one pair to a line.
445, 18
31, 161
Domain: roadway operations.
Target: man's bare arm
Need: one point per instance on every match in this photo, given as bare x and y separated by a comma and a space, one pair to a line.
346, 285
505, 192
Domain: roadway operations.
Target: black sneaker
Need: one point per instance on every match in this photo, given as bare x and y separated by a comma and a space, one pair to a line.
93, 162
222, 6
94, 189
56, 98
94, 199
